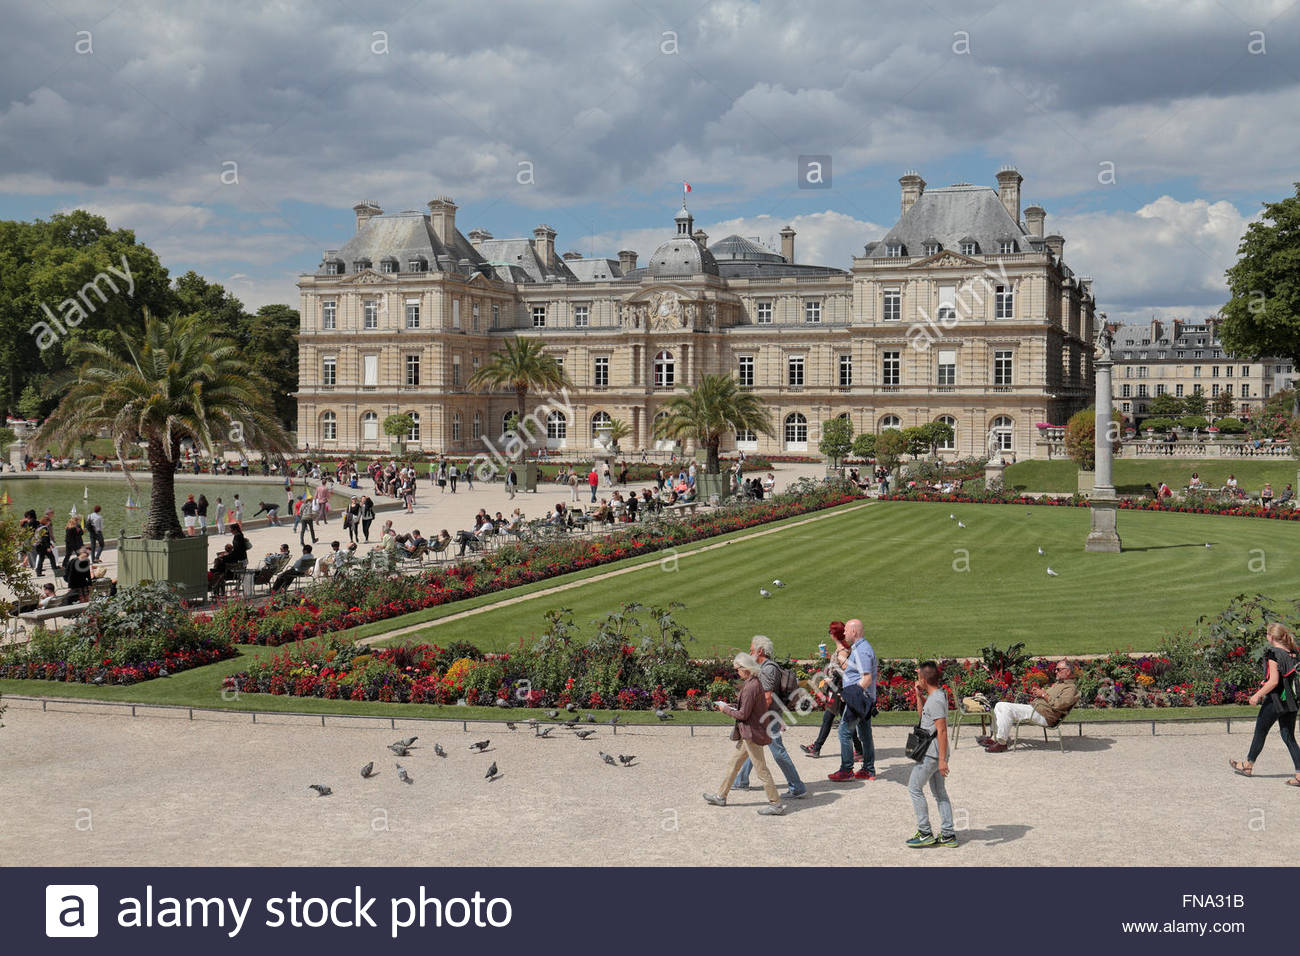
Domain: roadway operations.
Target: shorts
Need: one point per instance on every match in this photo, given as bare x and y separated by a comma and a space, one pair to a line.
191, 521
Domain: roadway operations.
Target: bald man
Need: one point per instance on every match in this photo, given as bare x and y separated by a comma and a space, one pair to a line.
859, 693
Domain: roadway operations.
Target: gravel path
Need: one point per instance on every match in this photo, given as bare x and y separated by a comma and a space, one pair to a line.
91, 786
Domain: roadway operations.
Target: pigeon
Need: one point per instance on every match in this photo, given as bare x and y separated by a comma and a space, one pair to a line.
961, 524
368, 771
492, 771
583, 734
951, 516
402, 775
553, 714
663, 714
400, 749
409, 741
613, 721
1041, 551
502, 702
546, 732
510, 726
570, 707
532, 722
626, 761
590, 718
1207, 544
320, 788
480, 745
778, 583
764, 592
608, 759
437, 748
1052, 573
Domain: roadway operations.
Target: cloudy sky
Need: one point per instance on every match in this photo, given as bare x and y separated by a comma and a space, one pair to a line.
589, 115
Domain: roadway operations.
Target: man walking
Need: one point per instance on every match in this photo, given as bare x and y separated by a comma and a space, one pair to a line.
512, 481
769, 677
593, 479
95, 525
859, 693
932, 705
308, 515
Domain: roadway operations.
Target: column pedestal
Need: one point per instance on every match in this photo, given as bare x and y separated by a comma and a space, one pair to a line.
1104, 535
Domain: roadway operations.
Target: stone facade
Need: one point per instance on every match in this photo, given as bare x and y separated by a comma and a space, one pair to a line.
962, 312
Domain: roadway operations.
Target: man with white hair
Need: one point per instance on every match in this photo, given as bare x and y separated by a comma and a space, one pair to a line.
859, 693
769, 676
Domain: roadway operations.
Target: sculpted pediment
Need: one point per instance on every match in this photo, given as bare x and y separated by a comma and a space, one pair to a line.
945, 259
367, 277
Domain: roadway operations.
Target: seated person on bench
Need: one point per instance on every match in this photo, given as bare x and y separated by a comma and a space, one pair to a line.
1048, 709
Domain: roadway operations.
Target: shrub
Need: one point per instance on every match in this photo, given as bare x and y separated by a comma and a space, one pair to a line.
1157, 424
1194, 421
1230, 426
1081, 437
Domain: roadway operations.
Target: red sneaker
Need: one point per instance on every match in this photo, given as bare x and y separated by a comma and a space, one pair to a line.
840, 776
864, 774
984, 741
996, 748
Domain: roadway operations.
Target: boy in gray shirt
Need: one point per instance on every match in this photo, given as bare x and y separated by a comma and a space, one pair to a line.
932, 703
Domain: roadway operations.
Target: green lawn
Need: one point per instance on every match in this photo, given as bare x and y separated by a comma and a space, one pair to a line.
897, 566
1132, 475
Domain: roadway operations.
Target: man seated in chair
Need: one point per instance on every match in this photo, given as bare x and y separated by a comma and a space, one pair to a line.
1048, 709
413, 545
468, 539
303, 565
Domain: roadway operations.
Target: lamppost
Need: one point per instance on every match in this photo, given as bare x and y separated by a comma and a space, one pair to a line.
1104, 536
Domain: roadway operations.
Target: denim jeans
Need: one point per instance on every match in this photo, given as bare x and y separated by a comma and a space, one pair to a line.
782, 758
828, 721
861, 727
928, 769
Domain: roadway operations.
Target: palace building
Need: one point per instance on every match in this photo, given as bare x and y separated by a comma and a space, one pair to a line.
963, 312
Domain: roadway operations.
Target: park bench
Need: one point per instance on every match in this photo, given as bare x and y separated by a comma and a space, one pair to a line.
41, 615
682, 507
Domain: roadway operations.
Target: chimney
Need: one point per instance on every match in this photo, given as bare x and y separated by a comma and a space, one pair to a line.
544, 245
1056, 244
701, 238
1034, 216
571, 255
787, 244
913, 186
366, 210
478, 236
1009, 191
442, 217
626, 260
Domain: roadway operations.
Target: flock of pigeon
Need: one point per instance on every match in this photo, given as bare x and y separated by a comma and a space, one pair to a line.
764, 592
402, 748
1050, 573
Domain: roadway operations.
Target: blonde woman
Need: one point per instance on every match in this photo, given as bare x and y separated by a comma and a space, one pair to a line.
1277, 697
751, 738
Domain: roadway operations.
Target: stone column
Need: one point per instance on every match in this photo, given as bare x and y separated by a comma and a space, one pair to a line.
1104, 536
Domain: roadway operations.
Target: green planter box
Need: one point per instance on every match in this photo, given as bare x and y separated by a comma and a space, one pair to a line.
708, 485
180, 561
527, 474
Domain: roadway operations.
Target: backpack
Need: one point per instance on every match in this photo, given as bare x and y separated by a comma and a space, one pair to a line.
787, 683
1288, 686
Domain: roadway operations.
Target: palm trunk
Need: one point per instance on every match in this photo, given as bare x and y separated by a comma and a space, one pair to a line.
711, 459
162, 521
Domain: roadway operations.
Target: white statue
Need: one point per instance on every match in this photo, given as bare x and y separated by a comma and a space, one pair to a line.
994, 445
1102, 344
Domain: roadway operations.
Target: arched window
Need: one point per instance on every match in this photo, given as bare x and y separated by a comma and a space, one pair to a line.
414, 434
665, 370
505, 421
478, 426
796, 432
370, 427
890, 421
1003, 428
661, 442
329, 427
951, 422
597, 420
557, 426
455, 426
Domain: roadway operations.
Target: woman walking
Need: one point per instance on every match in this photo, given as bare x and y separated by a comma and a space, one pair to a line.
830, 690
751, 738
202, 509
352, 519
1277, 697
367, 517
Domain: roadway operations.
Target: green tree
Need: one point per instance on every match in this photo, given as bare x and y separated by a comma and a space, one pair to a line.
836, 440
891, 445
716, 406
1081, 437
935, 434
177, 379
30, 403
1167, 406
1262, 318
522, 366
399, 426
1195, 403
1222, 404
14, 577
864, 446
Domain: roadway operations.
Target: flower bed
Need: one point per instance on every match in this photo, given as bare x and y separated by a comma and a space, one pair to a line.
342, 603
1201, 505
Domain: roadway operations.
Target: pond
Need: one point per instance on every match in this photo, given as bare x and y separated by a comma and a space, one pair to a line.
64, 493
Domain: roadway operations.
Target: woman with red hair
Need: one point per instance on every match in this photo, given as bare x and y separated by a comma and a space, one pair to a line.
828, 691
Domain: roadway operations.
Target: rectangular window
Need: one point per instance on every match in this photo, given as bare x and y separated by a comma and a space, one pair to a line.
496, 316
413, 370
1196, 371
329, 371
1178, 391
745, 373
600, 374
370, 311
370, 370
891, 367
329, 316
1245, 371
812, 312
412, 315
1214, 391
1004, 304
1227, 389
1214, 371
846, 370
947, 367
455, 313
763, 313
581, 315
1142, 391
1142, 371
1126, 407
1002, 367
1245, 390
947, 302
539, 316
795, 366
455, 370
388, 266
1160, 390
1227, 371
1126, 391
473, 321
893, 305
1006, 246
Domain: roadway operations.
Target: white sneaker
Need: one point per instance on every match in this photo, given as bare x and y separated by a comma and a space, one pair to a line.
772, 810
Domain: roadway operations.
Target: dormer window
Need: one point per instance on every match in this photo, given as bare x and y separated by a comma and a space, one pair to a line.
418, 264
360, 265
932, 248
969, 248
333, 268
1006, 246
388, 265
894, 250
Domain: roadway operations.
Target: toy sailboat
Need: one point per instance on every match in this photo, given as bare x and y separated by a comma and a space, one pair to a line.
73, 512
85, 492
5, 500
130, 503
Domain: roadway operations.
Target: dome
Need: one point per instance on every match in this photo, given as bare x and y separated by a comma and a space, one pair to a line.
681, 256
738, 247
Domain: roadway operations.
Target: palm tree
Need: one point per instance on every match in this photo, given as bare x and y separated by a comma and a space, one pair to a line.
521, 365
618, 430
716, 405
177, 380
